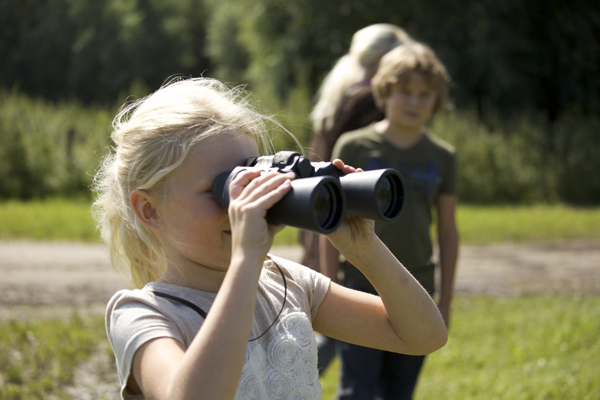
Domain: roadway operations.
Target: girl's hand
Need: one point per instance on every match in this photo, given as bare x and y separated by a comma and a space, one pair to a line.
355, 234
251, 194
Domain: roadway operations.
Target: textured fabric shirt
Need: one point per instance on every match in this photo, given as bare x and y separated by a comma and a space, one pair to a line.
281, 364
428, 169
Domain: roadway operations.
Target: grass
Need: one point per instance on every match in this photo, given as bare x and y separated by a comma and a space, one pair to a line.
68, 220
494, 224
517, 348
38, 358
54, 220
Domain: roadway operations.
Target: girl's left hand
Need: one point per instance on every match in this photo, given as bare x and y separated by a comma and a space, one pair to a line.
355, 233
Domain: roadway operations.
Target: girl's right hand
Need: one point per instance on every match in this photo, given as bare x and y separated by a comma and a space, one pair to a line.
355, 234
252, 194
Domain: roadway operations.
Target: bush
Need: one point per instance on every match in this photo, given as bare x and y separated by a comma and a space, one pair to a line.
53, 150
49, 149
578, 148
524, 160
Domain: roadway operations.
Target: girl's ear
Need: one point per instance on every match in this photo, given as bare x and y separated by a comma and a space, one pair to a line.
144, 206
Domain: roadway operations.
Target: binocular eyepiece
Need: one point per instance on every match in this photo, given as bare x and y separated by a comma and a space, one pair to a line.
321, 195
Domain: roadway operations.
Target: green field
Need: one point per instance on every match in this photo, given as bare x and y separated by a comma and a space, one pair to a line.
500, 348
55, 219
39, 357
514, 348
518, 348
67, 220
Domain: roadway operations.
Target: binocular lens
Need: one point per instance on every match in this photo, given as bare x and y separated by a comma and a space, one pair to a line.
376, 194
325, 205
389, 196
385, 194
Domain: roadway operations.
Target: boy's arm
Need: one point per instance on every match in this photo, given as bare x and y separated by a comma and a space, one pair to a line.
448, 240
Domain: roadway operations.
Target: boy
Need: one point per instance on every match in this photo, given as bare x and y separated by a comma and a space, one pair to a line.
410, 86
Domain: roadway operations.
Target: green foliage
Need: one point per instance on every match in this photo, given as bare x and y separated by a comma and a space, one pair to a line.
293, 116
516, 161
577, 145
497, 167
94, 50
503, 55
286, 44
223, 46
53, 150
48, 149
38, 358
508, 60
507, 56
513, 348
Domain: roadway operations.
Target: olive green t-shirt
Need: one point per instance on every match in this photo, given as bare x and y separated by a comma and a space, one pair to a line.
428, 169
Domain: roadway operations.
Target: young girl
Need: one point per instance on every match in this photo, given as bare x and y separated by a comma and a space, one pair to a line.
186, 257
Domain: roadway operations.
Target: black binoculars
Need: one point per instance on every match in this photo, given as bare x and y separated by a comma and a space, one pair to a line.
321, 194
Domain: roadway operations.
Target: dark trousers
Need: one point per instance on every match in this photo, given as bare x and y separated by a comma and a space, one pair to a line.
375, 374
368, 374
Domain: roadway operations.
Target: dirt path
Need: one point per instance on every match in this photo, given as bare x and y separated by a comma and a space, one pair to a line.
79, 275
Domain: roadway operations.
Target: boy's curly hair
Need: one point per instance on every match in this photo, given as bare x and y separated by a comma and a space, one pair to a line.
397, 66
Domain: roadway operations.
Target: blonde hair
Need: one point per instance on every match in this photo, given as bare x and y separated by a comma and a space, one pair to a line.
368, 46
152, 137
397, 65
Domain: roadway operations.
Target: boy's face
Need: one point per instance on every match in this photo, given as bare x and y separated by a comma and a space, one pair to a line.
411, 103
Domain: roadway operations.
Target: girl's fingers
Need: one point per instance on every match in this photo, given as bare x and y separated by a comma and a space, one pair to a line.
267, 195
251, 187
242, 180
346, 169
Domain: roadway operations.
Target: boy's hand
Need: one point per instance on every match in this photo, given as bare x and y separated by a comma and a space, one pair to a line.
355, 234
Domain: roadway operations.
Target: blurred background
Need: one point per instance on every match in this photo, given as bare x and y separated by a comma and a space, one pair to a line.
525, 123
526, 82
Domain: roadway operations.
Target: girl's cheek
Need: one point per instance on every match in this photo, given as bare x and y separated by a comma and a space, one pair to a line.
215, 211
